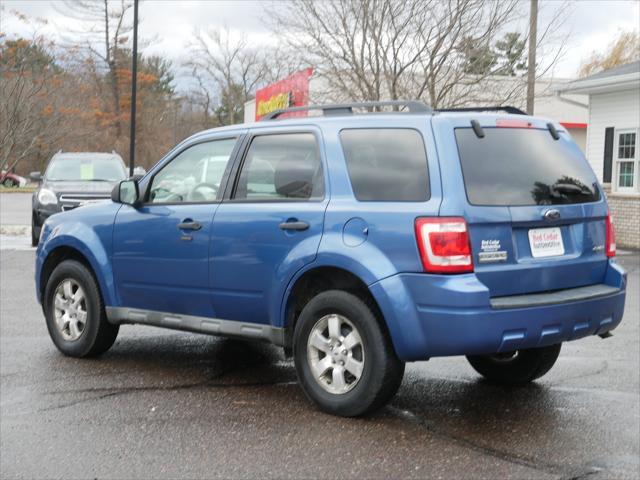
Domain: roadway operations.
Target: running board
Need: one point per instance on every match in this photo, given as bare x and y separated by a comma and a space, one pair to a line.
190, 323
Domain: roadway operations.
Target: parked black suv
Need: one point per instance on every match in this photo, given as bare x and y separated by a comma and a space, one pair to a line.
72, 180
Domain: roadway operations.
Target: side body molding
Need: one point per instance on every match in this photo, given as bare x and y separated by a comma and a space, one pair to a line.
190, 323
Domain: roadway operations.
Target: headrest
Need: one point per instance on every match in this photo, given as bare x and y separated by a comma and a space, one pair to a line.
293, 177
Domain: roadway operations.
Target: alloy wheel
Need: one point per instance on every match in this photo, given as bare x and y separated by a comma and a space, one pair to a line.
70, 309
335, 354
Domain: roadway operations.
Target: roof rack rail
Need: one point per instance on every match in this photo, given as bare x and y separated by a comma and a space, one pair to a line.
506, 108
332, 109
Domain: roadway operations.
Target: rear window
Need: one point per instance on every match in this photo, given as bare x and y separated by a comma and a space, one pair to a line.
517, 166
386, 165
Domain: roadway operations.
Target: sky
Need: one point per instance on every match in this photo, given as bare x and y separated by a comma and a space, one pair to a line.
590, 24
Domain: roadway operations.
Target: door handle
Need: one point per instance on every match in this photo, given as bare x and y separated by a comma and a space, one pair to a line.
189, 225
294, 225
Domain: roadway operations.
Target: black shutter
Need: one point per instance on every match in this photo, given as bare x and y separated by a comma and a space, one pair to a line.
608, 154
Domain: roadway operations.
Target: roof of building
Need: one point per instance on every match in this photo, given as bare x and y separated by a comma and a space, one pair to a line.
624, 77
633, 67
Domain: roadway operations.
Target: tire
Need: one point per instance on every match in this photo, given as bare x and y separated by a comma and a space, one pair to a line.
96, 335
380, 370
9, 183
522, 367
35, 234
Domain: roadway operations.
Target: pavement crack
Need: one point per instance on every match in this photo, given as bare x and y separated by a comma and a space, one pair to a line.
117, 391
77, 402
513, 458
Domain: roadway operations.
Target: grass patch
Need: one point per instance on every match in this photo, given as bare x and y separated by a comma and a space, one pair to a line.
4, 189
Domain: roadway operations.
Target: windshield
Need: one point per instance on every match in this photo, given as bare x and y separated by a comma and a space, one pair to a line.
86, 169
517, 166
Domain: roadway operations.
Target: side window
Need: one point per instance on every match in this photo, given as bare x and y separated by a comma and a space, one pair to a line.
194, 175
626, 160
281, 167
386, 164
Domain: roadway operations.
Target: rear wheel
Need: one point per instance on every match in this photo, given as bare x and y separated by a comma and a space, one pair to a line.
9, 183
517, 367
345, 362
74, 311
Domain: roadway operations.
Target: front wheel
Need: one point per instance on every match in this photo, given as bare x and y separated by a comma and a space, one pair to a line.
517, 367
35, 234
344, 358
74, 311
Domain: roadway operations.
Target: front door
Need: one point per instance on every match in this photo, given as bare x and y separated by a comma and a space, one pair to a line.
270, 227
161, 249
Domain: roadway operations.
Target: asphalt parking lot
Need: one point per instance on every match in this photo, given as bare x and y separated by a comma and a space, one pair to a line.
162, 404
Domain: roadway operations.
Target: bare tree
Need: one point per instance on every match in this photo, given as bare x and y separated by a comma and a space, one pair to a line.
32, 110
389, 49
227, 71
105, 28
624, 49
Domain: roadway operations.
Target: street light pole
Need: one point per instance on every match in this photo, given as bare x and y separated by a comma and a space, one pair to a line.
134, 81
531, 68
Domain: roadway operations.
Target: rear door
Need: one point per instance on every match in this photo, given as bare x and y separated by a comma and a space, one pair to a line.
536, 213
271, 224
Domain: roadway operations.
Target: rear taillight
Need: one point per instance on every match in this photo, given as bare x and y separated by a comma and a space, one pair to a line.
444, 244
610, 237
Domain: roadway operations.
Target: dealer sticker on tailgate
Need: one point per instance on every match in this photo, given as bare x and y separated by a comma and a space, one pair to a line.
546, 242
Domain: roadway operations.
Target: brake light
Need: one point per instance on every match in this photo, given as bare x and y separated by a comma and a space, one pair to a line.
511, 123
610, 237
444, 244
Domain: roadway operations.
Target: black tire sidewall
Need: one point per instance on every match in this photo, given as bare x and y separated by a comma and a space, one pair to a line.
78, 272
358, 400
529, 365
35, 234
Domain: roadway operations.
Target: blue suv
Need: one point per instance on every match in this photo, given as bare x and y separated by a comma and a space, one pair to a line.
357, 240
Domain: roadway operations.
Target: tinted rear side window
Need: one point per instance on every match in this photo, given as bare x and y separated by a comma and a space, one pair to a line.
282, 167
517, 166
386, 164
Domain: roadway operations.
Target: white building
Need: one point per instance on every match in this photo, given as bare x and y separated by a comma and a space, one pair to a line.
612, 146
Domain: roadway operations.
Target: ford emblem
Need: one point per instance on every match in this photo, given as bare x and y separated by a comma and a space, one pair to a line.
552, 215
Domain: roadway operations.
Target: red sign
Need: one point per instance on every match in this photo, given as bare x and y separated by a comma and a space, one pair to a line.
292, 91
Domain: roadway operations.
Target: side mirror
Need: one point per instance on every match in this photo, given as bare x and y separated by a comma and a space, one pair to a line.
35, 177
126, 192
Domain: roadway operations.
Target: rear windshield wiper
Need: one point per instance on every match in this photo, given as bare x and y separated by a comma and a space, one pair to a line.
570, 188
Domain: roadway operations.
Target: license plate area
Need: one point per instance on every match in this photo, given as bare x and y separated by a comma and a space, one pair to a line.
546, 242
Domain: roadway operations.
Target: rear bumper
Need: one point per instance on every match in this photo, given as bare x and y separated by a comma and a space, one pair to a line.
437, 315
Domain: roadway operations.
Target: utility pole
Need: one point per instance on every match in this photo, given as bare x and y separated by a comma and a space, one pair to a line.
134, 81
531, 68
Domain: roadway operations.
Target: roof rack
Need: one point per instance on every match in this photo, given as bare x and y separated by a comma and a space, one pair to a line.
506, 108
333, 109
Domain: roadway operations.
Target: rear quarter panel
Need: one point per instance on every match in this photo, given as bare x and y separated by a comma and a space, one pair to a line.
374, 239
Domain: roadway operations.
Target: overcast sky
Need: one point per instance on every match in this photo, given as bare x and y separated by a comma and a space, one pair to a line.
591, 24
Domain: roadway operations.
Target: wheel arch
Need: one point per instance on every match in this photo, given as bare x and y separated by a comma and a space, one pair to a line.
95, 262
317, 279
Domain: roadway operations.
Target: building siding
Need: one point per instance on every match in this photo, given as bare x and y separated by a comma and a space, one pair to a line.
616, 109
619, 110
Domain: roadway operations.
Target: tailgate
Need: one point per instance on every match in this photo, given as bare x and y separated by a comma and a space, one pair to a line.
535, 211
